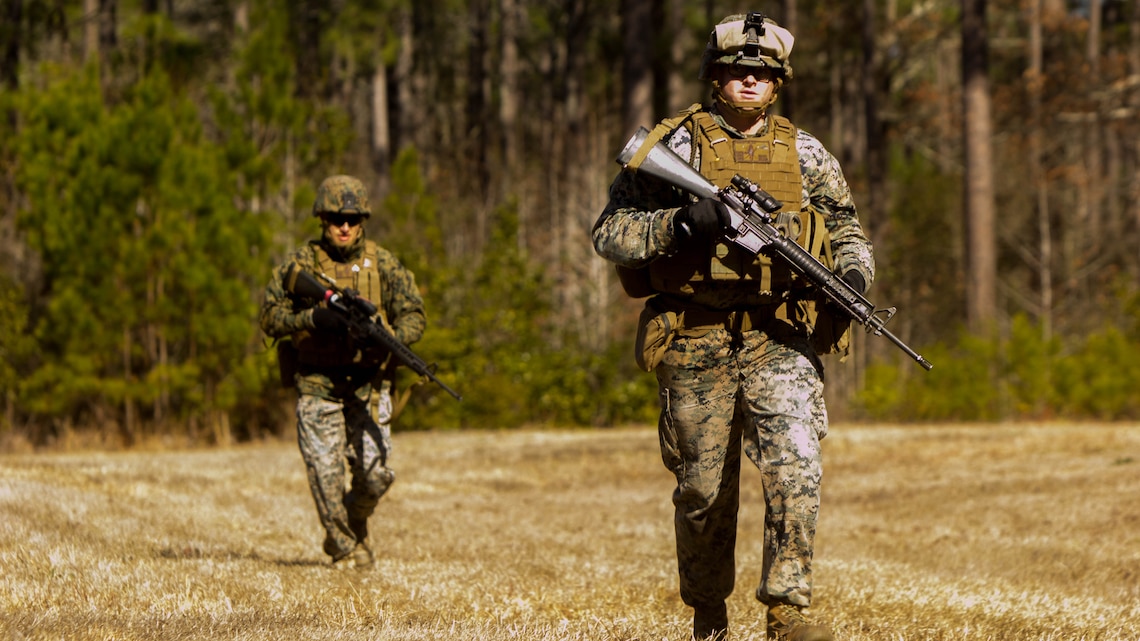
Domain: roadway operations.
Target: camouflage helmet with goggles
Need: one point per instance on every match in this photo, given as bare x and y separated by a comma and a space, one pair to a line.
752, 40
341, 195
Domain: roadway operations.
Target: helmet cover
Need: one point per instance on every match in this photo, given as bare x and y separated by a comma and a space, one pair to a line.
752, 40
342, 195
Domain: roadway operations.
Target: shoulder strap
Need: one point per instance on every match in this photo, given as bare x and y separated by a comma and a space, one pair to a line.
784, 129
663, 128
709, 130
372, 252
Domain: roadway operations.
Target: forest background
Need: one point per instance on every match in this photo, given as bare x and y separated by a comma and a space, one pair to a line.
159, 157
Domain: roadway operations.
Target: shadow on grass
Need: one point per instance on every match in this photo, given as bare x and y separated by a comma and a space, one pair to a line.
194, 553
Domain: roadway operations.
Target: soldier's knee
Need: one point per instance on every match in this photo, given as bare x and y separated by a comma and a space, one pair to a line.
697, 499
378, 481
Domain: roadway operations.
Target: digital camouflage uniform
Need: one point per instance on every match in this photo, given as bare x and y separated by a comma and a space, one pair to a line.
730, 387
337, 382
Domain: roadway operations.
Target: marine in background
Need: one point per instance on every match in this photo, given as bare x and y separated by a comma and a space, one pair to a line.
344, 403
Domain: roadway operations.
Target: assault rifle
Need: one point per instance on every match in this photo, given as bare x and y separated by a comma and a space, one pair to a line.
359, 312
751, 227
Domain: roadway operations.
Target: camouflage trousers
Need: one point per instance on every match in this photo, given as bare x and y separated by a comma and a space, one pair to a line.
721, 394
331, 434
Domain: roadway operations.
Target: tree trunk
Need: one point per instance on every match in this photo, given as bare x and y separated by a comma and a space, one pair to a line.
981, 247
681, 66
241, 16
1134, 68
875, 210
406, 110
129, 410
576, 185
381, 152
1093, 161
835, 103
307, 27
475, 135
162, 399
789, 19
90, 30
509, 86
947, 147
108, 27
876, 132
1035, 85
1134, 39
13, 11
873, 125
637, 64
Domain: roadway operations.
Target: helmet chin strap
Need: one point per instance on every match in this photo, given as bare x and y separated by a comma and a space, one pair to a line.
750, 109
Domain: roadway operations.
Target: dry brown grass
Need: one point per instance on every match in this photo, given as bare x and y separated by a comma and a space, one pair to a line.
995, 532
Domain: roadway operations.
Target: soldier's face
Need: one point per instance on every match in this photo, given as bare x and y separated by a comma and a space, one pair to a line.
342, 229
746, 85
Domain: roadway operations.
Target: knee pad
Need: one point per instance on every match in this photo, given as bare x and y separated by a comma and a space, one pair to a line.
379, 480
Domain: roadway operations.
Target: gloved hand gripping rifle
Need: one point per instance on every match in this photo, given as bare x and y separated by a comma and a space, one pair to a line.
358, 313
751, 227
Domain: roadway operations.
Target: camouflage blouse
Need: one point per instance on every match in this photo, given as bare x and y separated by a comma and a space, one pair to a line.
636, 226
283, 315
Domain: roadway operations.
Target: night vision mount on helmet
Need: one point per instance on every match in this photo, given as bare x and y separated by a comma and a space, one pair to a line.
752, 40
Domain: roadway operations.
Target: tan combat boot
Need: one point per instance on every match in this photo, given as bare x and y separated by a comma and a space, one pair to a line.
361, 556
788, 623
345, 562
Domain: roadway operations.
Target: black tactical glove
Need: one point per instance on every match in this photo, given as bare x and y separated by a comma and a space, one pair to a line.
702, 219
329, 321
855, 280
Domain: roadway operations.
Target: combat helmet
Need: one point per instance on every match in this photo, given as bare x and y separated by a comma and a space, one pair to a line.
752, 40
342, 195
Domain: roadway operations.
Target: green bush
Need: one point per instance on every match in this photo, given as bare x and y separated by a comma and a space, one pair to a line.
1021, 375
1101, 379
492, 329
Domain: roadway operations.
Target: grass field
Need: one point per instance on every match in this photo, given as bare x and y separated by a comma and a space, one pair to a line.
934, 532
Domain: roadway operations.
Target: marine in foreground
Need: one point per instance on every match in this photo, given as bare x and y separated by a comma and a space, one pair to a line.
733, 336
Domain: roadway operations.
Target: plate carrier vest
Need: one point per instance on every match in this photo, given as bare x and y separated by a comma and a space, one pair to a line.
361, 275
771, 161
